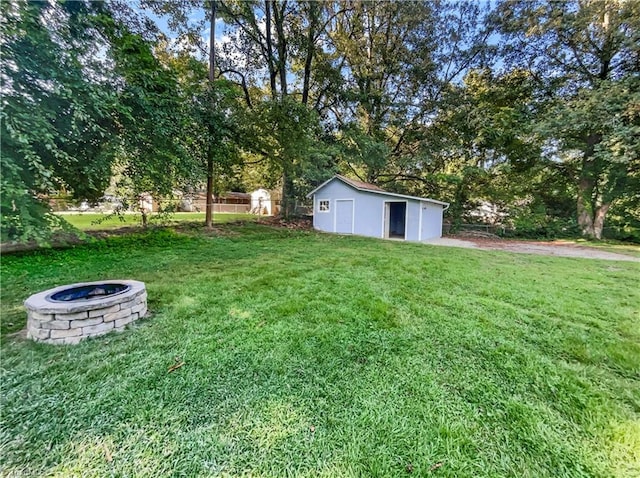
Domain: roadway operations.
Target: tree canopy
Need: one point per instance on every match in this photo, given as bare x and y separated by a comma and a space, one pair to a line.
529, 106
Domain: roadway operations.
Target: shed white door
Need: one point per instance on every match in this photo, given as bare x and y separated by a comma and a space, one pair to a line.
431, 221
344, 216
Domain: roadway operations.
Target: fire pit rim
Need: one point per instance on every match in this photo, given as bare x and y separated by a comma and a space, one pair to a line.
40, 302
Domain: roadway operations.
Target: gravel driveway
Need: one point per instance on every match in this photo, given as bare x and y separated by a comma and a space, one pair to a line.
529, 247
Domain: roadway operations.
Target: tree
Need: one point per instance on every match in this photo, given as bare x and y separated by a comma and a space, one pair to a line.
378, 46
179, 13
153, 120
56, 111
600, 133
211, 11
86, 99
586, 59
272, 35
501, 160
399, 60
216, 120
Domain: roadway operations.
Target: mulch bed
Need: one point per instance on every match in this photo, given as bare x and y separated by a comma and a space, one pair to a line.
300, 223
62, 241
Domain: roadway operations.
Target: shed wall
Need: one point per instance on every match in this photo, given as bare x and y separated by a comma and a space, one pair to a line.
325, 221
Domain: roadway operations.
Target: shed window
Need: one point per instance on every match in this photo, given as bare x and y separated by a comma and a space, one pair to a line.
323, 205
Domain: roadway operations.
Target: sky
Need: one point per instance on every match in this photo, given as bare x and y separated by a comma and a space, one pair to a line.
195, 17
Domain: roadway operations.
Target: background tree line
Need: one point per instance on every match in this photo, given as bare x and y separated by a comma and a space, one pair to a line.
532, 107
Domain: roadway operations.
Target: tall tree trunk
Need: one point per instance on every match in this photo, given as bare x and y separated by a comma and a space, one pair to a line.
584, 207
208, 214
287, 206
598, 221
269, 41
313, 22
278, 16
277, 61
591, 215
591, 210
208, 219
143, 210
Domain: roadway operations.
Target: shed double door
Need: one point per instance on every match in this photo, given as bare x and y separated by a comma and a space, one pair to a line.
344, 216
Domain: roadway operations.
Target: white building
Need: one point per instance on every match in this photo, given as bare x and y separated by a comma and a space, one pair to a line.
261, 202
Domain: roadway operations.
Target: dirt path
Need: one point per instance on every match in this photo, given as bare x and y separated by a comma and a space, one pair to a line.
560, 249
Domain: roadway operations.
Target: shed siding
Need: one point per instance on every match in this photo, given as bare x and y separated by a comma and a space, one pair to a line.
368, 217
369, 214
431, 221
413, 221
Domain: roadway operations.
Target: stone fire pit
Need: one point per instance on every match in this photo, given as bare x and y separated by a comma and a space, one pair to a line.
71, 313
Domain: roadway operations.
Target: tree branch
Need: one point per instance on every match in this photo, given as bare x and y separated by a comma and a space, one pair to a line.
243, 84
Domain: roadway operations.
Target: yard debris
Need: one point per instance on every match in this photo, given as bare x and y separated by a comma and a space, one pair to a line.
175, 367
409, 468
478, 234
301, 223
179, 363
312, 429
436, 466
107, 454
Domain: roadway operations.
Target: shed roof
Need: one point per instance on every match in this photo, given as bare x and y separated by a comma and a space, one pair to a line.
372, 188
359, 184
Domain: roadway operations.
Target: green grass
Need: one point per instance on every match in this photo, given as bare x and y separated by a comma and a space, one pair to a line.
319, 355
97, 221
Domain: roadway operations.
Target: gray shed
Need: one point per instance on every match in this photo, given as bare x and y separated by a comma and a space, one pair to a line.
347, 206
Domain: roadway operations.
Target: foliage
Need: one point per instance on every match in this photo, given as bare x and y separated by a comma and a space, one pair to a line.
398, 60
607, 168
531, 104
56, 111
533, 221
153, 115
214, 107
481, 148
285, 132
584, 55
278, 41
87, 102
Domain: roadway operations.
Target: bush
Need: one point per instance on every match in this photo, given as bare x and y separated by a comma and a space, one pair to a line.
625, 233
540, 225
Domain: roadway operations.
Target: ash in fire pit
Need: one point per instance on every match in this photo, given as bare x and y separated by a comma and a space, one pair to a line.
68, 314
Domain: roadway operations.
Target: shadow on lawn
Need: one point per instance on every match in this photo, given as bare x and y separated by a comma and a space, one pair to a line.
162, 256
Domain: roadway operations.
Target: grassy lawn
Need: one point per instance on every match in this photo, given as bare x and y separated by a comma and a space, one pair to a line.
319, 355
97, 221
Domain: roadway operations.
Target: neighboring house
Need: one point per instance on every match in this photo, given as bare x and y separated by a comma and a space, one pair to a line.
488, 213
347, 206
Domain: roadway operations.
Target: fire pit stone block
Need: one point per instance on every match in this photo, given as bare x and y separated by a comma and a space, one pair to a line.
70, 321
